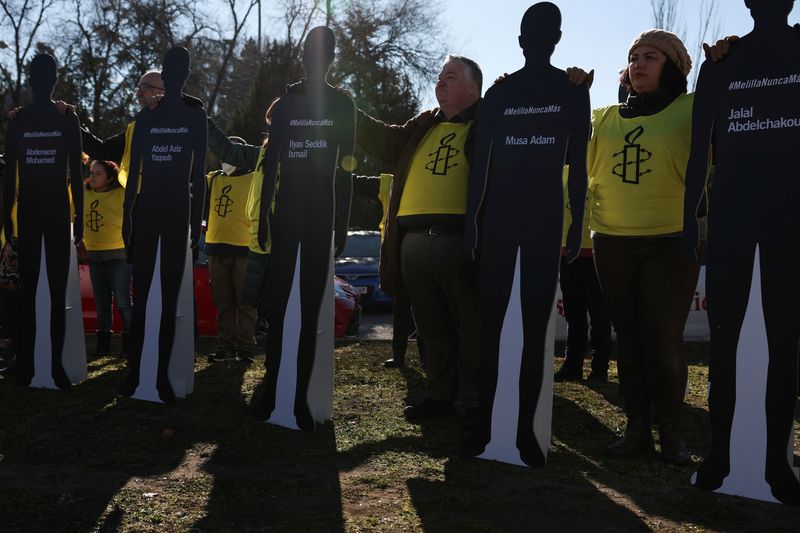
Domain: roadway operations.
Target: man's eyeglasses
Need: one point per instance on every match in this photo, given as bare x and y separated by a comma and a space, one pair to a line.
144, 86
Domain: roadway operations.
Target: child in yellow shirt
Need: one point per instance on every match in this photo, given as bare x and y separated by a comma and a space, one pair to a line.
109, 269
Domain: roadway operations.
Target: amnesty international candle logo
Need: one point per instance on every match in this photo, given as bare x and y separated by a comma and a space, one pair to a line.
224, 202
633, 156
440, 163
94, 220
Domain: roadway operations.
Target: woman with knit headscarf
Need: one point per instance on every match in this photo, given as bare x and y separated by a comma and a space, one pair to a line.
637, 161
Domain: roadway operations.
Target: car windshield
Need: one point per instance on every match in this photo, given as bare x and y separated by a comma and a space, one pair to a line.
362, 246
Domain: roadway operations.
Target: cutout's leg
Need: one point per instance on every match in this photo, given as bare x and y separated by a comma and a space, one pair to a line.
498, 261
145, 243
30, 249
57, 242
538, 289
280, 276
780, 293
728, 278
314, 264
458, 278
173, 259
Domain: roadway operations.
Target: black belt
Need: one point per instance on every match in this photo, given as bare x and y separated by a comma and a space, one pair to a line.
437, 230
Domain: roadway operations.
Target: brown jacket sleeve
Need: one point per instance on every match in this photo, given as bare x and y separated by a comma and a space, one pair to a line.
384, 141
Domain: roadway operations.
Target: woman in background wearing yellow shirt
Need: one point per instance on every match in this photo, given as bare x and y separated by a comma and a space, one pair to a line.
637, 161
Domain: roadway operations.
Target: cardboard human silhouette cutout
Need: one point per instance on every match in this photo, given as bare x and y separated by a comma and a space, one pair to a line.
749, 104
163, 211
312, 137
514, 222
45, 148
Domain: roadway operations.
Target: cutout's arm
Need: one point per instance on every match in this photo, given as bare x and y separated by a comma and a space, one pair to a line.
344, 186
73, 137
269, 169
110, 149
10, 180
480, 164
577, 181
703, 112
198, 178
132, 187
381, 140
242, 156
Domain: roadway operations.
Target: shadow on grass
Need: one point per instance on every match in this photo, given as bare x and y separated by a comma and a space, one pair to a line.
268, 477
484, 495
415, 384
488, 495
580, 489
89, 460
66, 455
695, 421
661, 490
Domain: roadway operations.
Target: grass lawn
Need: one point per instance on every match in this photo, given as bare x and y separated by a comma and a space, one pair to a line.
89, 460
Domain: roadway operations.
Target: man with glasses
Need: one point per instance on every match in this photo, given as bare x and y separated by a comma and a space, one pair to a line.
149, 92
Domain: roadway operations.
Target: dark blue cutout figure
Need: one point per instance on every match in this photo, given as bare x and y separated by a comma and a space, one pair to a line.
749, 104
164, 200
312, 137
528, 125
45, 146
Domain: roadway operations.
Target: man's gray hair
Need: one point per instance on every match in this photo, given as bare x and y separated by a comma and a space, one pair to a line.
473, 68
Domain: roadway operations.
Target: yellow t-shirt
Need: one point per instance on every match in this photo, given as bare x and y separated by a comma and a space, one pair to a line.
586, 241
227, 214
102, 219
384, 191
437, 178
125, 164
637, 168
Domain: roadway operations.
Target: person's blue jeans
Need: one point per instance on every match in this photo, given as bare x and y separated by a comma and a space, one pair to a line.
112, 277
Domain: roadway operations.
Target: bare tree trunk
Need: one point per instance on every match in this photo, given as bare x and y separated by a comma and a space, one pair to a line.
26, 19
298, 13
665, 15
230, 48
709, 27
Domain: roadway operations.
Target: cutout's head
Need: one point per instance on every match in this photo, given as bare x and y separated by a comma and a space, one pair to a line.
42, 75
540, 28
176, 69
769, 8
318, 51
657, 59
